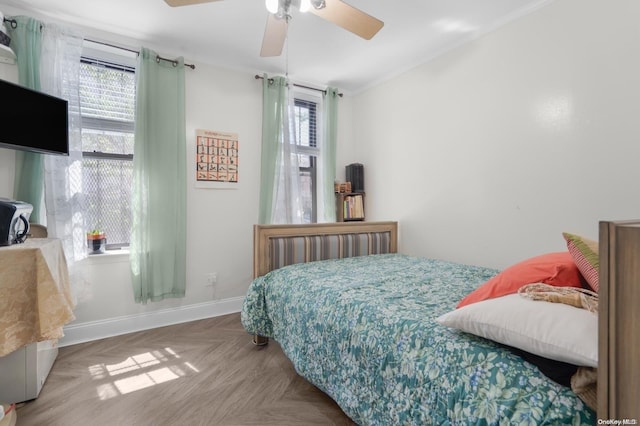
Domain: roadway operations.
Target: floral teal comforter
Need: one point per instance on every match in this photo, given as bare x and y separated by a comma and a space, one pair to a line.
363, 330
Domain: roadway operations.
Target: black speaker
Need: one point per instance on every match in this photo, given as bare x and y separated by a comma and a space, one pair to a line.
355, 175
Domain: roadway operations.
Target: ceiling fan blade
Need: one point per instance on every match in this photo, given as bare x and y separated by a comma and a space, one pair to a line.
275, 34
349, 18
175, 3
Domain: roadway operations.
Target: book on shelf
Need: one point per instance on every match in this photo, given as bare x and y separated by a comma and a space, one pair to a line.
353, 207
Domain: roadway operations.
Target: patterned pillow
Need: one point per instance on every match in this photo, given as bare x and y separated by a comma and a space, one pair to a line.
585, 254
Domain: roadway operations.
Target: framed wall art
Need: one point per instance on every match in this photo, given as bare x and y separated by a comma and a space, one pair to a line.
217, 159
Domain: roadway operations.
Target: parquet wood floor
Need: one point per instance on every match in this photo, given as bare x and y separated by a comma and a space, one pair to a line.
203, 372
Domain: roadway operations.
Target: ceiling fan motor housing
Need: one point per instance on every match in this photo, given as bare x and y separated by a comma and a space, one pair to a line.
284, 6
336, 11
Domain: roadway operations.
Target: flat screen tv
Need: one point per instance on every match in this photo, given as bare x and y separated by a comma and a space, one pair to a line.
32, 120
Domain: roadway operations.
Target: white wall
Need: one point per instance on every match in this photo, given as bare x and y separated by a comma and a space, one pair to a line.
486, 154
7, 160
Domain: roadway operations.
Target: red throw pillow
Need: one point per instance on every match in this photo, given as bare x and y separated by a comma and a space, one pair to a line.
557, 269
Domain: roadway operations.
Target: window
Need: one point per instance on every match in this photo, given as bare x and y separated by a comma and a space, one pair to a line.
107, 108
305, 120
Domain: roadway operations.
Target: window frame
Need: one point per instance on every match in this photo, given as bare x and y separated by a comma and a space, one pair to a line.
120, 63
307, 96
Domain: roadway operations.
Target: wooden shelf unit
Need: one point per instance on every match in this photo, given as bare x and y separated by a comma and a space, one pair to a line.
349, 206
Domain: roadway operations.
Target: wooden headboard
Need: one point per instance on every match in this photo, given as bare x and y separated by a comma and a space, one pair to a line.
319, 241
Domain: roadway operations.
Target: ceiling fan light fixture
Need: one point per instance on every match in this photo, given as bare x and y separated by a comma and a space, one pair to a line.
272, 5
318, 4
305, 5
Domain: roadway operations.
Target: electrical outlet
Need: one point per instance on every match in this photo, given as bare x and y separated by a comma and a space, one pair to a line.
212, 278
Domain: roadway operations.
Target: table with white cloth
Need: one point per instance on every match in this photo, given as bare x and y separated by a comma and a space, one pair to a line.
35, 304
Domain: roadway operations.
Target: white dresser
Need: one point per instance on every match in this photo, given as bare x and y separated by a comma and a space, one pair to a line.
24, 371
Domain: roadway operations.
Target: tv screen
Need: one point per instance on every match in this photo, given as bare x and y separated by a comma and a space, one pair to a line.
32, 120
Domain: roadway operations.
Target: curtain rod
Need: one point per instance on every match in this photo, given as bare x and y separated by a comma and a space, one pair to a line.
259, 77
137, 52
159, 58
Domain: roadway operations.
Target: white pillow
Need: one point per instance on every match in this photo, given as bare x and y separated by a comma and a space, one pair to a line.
551, 330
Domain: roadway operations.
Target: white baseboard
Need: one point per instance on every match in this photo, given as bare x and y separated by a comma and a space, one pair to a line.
94, 330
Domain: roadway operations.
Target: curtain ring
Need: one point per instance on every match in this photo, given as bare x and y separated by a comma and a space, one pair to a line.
158, 59
175, 63
12, 22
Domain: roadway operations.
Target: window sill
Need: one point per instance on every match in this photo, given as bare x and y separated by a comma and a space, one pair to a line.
109, 256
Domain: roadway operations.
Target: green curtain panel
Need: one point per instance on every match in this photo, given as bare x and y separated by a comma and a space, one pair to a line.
26, 41
329, 152
158, 240
274, 108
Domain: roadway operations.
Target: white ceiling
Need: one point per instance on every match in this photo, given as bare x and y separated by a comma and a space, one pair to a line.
229, 33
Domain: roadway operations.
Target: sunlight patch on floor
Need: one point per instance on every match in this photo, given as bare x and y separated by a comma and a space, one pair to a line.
139, 372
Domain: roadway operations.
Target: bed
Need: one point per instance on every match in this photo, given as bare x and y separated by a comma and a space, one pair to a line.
359, 321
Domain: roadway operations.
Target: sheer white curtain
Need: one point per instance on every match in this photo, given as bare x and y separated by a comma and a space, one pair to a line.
288, 201
59, 76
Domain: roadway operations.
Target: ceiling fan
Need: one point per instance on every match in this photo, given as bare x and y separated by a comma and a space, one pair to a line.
336, 11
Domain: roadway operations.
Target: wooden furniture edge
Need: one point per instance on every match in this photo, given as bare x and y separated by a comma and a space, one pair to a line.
605, 228
262, 234
617, 342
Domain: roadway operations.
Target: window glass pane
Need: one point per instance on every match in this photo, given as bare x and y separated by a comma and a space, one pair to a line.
304, 125
306, 192
107, 92
304, 160
104, 141
107, 187
305, 122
